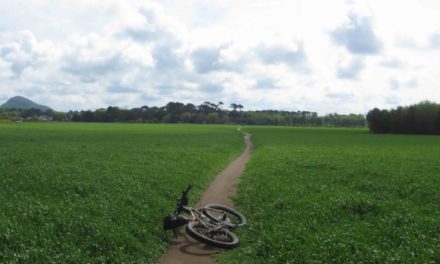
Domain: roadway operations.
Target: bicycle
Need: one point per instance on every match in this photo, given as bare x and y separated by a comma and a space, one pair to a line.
211, 224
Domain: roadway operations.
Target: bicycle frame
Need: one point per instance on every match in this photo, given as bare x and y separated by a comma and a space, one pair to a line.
197, 215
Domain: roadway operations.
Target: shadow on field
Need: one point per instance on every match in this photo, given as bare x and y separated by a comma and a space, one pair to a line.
190, 246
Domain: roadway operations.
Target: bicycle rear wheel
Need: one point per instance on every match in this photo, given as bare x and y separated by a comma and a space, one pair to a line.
220, 213
218, 238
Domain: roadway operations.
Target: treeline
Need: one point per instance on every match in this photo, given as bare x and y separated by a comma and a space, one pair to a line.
206, 113
421, 118
31, 115
211, 113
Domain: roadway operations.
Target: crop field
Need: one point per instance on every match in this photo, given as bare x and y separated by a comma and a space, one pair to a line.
96, 193
93, 193
339, 195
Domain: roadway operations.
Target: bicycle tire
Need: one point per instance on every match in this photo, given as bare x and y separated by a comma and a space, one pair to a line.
239, 221
196, 230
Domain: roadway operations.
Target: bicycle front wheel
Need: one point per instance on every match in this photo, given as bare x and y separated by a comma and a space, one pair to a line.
218, 238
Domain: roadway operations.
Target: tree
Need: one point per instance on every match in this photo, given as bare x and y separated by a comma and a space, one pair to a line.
234, 107
190, 108
213, 118
114, 113
379, 120
208, 107
201, 118
87, 116
174, 110
421, 118
220, 108
186, 117
144, 113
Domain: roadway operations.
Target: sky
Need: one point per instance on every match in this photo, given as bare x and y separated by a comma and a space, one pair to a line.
339, 56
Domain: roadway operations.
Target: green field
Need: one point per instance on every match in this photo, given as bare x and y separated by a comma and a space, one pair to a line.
94, 193
339, 195
82, 193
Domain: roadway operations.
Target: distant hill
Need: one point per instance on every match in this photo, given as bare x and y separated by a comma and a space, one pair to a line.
20, 102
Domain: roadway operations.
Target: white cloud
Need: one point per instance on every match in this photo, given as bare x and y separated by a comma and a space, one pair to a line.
434, 41
294, 57
278, 54
393, 63
351, 70
5, 70
358, 36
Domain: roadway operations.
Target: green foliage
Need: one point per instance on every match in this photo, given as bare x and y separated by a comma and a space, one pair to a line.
341, 196
176, 112
96, 193
32, 114
351, 120
421, 118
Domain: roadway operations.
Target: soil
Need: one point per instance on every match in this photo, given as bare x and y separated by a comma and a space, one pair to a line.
186, 250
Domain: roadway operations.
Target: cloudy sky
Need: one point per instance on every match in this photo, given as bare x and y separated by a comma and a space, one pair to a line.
339, 56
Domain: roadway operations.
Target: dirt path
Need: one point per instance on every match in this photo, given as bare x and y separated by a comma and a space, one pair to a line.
186, 250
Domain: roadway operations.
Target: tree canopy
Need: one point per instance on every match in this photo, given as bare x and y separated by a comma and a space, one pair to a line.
421, 118
205, 113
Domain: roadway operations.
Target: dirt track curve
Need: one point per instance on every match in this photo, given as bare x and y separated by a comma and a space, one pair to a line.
186, 250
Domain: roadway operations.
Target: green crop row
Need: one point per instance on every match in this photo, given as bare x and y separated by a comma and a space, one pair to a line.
339, 196
96, 193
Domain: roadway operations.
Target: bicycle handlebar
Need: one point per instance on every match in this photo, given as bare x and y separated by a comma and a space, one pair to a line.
183, 200
187, 189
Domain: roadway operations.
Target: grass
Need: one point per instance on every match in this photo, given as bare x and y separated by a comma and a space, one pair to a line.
96, 193
340, 196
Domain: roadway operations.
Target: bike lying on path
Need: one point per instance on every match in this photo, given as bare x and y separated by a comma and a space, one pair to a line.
211, 224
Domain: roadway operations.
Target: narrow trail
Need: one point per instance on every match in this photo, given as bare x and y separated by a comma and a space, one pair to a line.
186, 250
